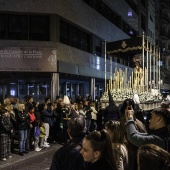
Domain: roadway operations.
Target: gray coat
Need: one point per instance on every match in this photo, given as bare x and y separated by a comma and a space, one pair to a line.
139, 139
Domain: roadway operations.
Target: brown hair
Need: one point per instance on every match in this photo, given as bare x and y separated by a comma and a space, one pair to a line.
153, 157
116, 127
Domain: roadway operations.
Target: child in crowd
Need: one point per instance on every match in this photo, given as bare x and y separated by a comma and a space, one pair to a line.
42, 135
36, 136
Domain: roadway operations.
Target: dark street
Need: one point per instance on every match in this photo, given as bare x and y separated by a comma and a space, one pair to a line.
34, 160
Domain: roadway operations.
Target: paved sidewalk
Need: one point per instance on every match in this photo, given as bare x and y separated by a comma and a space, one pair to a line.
17, 158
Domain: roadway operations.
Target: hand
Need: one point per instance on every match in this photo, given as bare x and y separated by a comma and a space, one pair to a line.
129, 112
31, 126
12, 131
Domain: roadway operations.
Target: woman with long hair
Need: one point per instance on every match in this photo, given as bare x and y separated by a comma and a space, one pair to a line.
97, 151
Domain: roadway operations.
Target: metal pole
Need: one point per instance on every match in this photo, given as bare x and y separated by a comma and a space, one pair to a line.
143, 57
110, 73
159, 68
147, 67
154, 66
105, 64
150, 65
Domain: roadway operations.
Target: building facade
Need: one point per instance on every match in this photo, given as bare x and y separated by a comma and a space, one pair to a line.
55, 48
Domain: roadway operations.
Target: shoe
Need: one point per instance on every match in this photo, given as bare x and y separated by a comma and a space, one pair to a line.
3, 159
46, 145
9, 156
37, 149
21, 153
25, 152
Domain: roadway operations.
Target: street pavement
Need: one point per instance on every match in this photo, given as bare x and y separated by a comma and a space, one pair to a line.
33, 160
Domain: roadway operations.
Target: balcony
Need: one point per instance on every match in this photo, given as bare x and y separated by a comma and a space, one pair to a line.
164, 4
164, 35
165, 19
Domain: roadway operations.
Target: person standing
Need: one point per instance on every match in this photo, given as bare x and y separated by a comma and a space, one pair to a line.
46, 118
36, 136
23, 125
97, 151
120, 152
158, 125
6, 130
68, 157
111, 111
42, 135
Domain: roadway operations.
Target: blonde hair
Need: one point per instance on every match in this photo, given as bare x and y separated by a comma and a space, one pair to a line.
20, 107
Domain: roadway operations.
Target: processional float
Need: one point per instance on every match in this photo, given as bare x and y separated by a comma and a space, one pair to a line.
144, 81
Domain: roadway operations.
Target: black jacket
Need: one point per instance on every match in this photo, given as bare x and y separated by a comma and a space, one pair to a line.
69, 157
23, 120
101, 164
5, 125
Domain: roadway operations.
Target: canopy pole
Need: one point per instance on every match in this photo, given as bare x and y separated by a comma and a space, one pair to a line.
105, 64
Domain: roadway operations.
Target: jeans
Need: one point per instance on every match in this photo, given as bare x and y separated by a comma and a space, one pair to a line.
88, 123
22, 140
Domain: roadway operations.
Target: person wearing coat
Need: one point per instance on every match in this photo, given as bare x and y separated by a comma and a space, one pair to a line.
111, 111
69, 156
6, 130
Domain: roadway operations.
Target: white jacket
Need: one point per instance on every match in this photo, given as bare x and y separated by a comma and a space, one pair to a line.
93, 113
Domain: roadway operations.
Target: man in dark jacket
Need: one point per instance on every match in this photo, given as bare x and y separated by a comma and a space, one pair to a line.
68, 157
158, 123
112, 111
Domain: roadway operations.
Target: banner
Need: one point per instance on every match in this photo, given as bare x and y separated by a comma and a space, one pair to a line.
125, 45
27, 59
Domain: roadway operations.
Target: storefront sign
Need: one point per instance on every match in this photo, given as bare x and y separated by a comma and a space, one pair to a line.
28, 59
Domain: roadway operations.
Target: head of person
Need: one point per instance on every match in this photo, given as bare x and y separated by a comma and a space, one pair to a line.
97, 145
115, 131
160, 117
127, 103
3, 111
31, 109
153, 157
47, 100
44, 106
76, 127
7, 101
30, 99
42, 124
21, 106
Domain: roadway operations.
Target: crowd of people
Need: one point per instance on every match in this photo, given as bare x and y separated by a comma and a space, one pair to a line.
117, 138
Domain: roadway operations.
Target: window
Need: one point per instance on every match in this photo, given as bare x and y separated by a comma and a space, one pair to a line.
98, 47
64, 32
74, 36
39, 28
85, 42
17, 27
